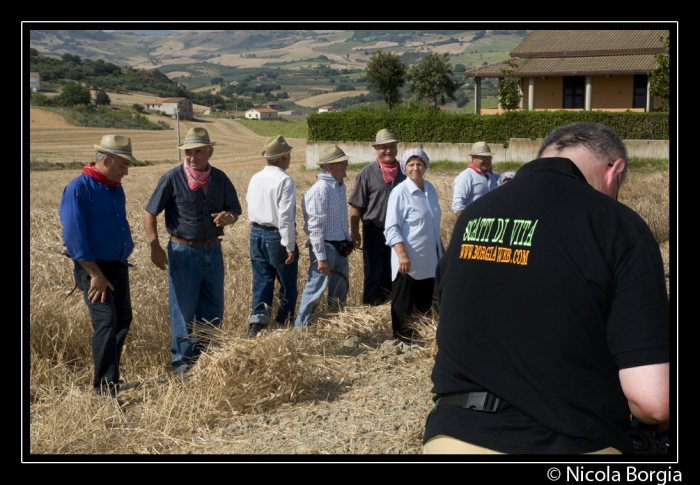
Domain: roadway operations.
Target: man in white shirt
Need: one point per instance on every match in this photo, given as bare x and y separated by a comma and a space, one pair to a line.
274, 254
476, 180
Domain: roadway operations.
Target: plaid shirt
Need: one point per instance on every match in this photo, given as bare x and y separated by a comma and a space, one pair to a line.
325, 213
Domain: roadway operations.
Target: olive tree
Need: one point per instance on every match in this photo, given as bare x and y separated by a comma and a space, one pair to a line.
386, 75
432, 79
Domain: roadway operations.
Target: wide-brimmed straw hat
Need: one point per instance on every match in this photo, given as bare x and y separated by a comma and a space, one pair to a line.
332, 154
384, 136
481, 149
276, 147
116, 145
196, 137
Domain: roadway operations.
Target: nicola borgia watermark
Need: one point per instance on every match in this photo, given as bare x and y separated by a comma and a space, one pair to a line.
629, 474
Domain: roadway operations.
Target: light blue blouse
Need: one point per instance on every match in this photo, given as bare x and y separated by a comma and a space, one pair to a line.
413, 218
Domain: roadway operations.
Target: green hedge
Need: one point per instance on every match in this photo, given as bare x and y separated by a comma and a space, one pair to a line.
431, 126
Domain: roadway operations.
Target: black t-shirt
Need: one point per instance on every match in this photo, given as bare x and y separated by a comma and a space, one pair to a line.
547, 289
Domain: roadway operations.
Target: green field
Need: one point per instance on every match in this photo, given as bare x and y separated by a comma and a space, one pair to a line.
288, 129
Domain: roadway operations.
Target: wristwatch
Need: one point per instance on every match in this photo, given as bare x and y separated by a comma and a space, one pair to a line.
233, 216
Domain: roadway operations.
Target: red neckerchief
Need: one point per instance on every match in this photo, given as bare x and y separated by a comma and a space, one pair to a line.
91, 171
196, 179
389, 170
473, 167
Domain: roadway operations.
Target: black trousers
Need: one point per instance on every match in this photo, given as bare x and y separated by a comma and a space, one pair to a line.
110, 322
409, 295
376, 256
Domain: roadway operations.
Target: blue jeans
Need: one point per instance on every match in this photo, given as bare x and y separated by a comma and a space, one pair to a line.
316, 284
267, 257
110, 322
376, 256
196, 295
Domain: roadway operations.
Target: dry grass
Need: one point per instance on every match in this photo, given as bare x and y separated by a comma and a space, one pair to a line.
340, 388
323, 99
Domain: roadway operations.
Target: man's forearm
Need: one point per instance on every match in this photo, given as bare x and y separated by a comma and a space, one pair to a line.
150, 223
355, 216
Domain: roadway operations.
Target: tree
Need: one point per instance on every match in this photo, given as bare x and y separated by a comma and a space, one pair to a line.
138, 107
386, 75
659, 79
432, 79
102, 98
74, 93
509, 93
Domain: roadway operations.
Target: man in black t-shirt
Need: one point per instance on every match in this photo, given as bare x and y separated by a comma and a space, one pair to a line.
584, 340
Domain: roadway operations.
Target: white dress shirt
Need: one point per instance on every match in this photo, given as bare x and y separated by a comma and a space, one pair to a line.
469, 186
272, 198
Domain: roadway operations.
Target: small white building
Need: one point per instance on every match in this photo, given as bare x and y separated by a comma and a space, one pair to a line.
261, 114
34, 82
325, 109
169, 105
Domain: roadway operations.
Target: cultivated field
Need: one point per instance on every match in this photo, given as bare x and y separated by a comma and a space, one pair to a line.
326, 98
342, 389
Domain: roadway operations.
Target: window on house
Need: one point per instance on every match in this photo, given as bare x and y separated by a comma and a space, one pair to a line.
640, 91
574, 88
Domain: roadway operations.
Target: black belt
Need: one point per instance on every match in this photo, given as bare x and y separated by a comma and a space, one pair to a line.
477, 401
260, 226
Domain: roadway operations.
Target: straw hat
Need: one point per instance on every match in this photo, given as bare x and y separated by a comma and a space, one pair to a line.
384, 136
196, 137
276, 147
481, 149
116, 145
332, 154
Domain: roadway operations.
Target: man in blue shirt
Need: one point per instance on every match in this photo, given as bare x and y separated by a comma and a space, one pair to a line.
199, 201
98, 240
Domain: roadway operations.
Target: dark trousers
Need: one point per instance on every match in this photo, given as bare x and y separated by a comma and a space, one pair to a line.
407, 294
376, 257
110, 322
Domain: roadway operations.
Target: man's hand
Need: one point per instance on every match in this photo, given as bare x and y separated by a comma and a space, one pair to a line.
223, 218
324, 267
158, 256
356, 238
291, 256
98, 288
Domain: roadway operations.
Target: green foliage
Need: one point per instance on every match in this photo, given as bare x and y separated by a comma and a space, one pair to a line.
102, 98
286, 128
74, 93
38, 99
385, 76
105, 117
139, 108
509, 94
421, 124
659, 79
432, 79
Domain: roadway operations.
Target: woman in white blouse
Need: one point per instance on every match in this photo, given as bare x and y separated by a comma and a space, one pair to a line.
413, 231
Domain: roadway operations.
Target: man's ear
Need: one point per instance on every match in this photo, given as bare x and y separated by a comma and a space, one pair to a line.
613, 171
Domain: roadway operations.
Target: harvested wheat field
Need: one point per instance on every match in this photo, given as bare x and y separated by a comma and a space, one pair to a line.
343, 388
323, 99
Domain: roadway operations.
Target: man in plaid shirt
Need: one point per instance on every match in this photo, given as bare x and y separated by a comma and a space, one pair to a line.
326, 223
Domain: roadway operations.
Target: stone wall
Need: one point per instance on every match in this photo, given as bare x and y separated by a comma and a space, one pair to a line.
519, 150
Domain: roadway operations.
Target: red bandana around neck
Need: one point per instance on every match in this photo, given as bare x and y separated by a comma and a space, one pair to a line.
389, 170
473, 167
196, 179
91, 170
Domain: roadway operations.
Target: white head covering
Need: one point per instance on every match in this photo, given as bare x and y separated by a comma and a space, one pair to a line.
413, 152
504, 176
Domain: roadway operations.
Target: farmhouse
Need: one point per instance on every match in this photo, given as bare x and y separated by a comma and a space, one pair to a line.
581, 70
169, 105
34, 82
325, 109
273, 105
261, 114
